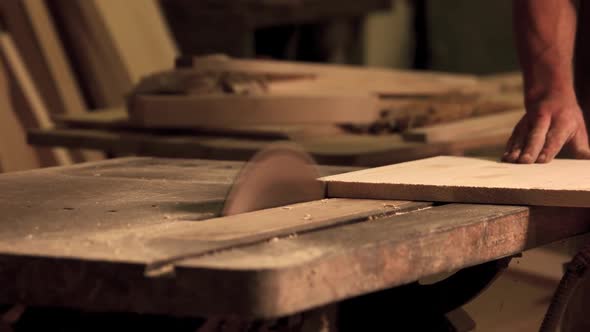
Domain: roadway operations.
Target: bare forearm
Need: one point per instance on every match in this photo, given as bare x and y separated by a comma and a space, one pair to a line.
545, 34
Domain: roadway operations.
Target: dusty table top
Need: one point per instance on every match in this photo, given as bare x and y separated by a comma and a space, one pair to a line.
140, 235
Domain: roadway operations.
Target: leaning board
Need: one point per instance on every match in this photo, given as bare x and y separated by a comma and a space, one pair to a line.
564, 183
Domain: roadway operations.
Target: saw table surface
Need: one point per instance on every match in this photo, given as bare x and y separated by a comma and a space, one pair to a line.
143, 235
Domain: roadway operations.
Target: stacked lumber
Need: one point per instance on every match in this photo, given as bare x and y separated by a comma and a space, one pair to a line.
15, 154
92, 58
218, 90
40, 79
115, 43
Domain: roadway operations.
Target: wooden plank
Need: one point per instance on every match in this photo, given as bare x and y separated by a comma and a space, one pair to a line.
253, 227
140, 35
37, 40
365, 257
106, 222
110, 118
255, 280
102, 71
354, 150
117, 118
62, 76
194, 111
32, 104
456, 179
498, 125
15, 153
115, 43
347, 79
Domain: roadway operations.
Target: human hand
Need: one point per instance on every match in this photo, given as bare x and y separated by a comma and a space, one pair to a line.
544, 130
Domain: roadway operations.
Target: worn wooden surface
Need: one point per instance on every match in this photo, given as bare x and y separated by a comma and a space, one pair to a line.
132, 235
562, 182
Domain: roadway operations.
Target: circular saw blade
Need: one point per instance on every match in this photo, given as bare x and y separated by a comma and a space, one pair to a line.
276, 176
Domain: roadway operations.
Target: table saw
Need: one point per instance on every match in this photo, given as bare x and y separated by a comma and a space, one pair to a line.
145, 235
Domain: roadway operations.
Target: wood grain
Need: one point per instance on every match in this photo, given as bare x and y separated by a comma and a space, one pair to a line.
37, 40
15, 153
115, 43
347, 79
498, 125
562, 182
202, 111
102, 224
30, 104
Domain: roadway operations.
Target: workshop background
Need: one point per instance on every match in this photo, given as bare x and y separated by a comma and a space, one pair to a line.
63, 60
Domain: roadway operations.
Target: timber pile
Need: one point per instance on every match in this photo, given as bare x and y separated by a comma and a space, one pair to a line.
92, 54
207, 91
61, 58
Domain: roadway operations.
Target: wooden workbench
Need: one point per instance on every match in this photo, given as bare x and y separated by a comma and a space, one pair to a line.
131, 235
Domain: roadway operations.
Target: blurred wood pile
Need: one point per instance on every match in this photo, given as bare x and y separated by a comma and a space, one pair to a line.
68, 57
108, 66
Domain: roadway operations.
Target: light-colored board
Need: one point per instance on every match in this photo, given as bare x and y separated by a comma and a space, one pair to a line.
562, 183
500, 125
140, 35
332, 78
194, 111
102, 71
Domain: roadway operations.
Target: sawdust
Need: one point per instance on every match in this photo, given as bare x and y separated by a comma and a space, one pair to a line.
287, 208
395, 213
307, 217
